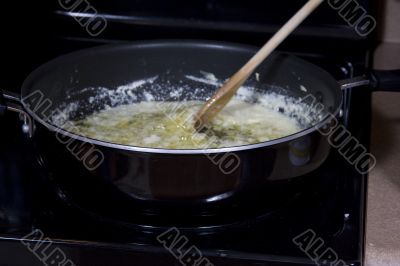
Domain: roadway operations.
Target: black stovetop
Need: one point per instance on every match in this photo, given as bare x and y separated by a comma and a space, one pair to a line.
330, 201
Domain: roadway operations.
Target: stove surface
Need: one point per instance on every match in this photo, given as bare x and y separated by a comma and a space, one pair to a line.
259, 231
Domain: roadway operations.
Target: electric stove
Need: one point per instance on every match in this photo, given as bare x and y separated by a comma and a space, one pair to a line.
328, 203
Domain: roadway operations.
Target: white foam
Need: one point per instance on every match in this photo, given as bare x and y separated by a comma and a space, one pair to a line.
130, 93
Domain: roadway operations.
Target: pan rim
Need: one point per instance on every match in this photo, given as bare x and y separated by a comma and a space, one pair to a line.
218, 44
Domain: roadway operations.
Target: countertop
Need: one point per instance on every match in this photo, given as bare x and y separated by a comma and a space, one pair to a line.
383, 211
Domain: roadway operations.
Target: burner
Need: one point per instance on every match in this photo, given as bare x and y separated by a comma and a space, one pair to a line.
201, 218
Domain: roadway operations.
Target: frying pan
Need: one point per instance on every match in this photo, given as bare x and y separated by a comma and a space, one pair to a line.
120, 173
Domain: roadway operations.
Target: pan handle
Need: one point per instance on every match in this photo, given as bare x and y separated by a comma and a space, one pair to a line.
10, 101
385, 80
354, 82
378, 80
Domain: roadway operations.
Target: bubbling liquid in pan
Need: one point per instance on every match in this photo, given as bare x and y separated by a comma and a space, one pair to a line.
169, 125
146, 113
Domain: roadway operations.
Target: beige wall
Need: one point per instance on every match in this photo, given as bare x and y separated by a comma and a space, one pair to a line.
389, 24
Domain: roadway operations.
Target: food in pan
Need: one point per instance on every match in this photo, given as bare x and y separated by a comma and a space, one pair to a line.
169, 125
153, 114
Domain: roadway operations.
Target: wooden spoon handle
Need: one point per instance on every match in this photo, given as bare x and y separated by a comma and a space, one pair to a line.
223, 95
281, 35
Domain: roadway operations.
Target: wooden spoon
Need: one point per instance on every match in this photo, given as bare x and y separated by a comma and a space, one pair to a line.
223, 95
